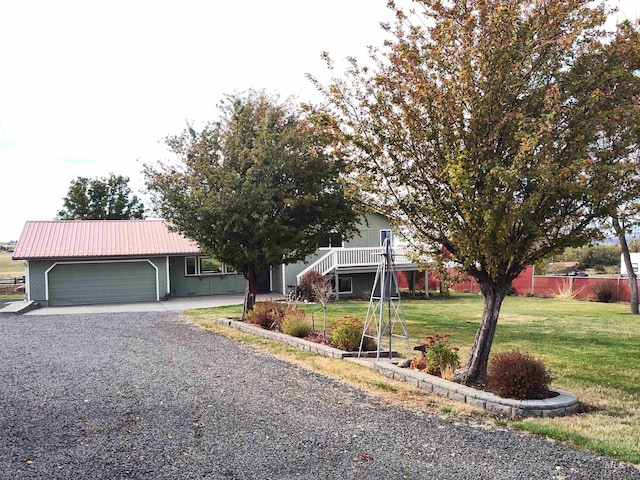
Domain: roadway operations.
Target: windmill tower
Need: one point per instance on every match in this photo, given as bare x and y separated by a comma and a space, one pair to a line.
385, 306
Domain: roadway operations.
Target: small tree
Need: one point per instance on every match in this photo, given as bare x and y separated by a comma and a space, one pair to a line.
103, 198
322, 293
259, 187
307, 281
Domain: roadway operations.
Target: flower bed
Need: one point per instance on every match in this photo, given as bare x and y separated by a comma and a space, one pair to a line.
563, 403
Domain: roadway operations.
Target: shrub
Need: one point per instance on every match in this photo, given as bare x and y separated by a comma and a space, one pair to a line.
518, 375
268, 315
346, 334
295, 323
306, 284
319, 337
439, 356
603, 292
565, 292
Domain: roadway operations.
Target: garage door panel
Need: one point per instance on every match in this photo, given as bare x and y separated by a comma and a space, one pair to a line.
91, 283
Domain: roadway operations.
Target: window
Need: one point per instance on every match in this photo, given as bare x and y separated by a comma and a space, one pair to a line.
333, 240
190, 266
384, 235
205, 266
209, 265
345, 285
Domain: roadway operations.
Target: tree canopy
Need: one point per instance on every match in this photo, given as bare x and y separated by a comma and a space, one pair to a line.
259, 187
500, 130
103, 198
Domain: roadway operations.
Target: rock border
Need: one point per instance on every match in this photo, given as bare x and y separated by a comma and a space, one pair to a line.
564, 403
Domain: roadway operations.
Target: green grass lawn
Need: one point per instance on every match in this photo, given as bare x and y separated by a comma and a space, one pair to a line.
592, 350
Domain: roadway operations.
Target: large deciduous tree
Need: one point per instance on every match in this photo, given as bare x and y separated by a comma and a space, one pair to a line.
103, 198
497, 129
261, 186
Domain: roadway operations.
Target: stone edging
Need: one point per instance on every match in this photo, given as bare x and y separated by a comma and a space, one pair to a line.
565, 403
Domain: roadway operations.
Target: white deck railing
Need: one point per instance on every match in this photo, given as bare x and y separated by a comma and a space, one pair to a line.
352, 257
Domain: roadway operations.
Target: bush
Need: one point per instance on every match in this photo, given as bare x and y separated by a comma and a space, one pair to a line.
603, 292
518, 375
319, 337
268, 315
306, 284
346, 334
438, 355
296, 323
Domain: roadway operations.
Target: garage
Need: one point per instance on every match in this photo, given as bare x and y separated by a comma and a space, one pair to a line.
77, 283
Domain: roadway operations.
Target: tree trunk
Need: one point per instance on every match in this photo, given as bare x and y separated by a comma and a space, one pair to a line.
631, 274
250, 289
476, 367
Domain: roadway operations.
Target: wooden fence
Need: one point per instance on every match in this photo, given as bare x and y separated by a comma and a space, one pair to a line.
11, 280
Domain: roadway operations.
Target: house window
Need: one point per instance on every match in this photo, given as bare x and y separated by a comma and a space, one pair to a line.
333, 240
209, 265
190, 266
345, 285
384, 235
205, 266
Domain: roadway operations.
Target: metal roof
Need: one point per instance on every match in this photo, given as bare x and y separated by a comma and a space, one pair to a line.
100, 238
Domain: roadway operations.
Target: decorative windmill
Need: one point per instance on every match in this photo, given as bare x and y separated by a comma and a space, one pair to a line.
385, 306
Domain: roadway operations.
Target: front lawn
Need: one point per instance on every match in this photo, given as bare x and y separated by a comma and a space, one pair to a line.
592, 350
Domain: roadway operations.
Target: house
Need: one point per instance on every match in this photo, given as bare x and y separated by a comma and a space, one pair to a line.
79, 262
76, 262
349, 265
635, 261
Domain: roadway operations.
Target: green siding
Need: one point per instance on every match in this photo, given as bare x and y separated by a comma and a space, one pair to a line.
369, 231
37, 291
38, 269
190, 285
369, 236
102, 282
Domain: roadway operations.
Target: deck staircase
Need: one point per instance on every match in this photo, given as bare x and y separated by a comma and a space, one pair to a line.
338, 258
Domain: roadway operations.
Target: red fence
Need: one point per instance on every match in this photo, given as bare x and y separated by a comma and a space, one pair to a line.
541, 286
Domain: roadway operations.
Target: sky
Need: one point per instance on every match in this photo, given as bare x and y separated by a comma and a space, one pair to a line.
88, 88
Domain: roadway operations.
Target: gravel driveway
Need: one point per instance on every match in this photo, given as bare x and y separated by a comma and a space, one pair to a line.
147, 396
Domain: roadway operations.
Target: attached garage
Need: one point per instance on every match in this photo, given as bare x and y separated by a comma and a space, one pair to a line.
102, 282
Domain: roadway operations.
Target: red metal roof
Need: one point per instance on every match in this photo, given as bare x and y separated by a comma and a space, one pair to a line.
100, 238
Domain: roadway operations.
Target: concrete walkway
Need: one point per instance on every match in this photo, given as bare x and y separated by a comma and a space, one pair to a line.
171, 305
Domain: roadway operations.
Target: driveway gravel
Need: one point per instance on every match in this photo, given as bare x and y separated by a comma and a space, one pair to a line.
149, 396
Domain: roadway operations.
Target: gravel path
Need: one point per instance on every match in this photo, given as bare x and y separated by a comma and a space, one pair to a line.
147, 396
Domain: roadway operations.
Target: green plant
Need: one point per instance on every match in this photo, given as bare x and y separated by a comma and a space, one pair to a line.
268, 315
603, 292
295, 323
518, 375
346, 333
439, 356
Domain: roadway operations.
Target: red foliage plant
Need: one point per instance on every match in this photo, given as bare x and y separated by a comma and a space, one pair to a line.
518, 375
